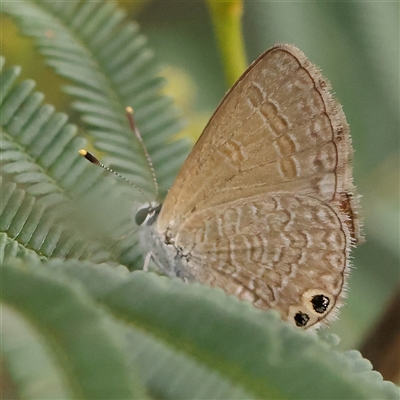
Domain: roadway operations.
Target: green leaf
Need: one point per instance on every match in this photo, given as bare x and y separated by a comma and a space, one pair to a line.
62, 326
11, 249
46, 205
31, 371
190, 341
111, 67
258, 354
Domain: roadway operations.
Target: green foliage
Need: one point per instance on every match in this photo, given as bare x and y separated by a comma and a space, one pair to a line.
110, 68
101, 325
78, 336
76, 322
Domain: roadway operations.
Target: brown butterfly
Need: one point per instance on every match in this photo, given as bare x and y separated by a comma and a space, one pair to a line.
264, 205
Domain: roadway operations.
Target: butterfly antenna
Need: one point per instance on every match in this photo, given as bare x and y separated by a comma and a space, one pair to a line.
91, 158
132, 123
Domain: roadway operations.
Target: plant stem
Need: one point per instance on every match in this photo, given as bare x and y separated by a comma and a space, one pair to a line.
226, 18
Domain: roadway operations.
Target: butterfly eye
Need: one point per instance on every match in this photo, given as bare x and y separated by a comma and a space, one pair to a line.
148, 212
320, 303
142, 214
301, 319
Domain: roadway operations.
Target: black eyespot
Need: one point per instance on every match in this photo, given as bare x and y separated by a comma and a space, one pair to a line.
320, 303
141, 215
301, 319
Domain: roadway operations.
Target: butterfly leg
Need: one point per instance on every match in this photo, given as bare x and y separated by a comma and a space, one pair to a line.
149, 256
156, 264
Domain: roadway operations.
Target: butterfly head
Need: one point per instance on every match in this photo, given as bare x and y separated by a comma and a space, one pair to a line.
147, 213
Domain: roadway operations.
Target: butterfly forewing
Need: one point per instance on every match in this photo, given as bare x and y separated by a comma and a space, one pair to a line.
277, 129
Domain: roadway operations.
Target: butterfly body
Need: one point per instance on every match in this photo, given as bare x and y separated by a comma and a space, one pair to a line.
167, 257
263, 207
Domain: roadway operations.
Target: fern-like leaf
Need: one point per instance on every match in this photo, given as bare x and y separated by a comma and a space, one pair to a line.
111, 67
45, 182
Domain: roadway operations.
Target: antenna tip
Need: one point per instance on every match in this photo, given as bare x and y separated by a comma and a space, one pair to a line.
129, 110
89, 156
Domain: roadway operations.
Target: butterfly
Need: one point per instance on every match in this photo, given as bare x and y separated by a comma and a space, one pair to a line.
264, 206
